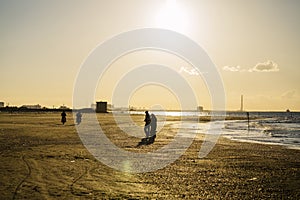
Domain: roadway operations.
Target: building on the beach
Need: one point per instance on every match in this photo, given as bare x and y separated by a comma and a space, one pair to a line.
101, 107
110, 107
1, 104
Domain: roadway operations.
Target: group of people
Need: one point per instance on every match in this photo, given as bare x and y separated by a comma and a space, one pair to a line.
64, 117
149, 129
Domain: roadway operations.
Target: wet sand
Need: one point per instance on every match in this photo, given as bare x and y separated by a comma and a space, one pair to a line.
42, 159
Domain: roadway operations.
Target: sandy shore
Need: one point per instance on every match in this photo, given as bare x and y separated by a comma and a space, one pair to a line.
42, 159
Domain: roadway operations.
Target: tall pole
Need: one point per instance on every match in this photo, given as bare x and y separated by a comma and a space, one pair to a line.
242, 103
248, 118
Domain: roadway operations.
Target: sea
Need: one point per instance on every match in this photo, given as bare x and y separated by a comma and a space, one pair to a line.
278, 128
274, 128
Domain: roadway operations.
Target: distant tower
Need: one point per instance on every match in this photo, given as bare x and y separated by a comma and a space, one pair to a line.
242, 103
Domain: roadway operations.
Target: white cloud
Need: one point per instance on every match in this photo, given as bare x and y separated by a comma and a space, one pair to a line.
268, 66
232, 69
190, 71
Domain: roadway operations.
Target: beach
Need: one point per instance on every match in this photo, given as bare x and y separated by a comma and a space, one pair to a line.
43, 159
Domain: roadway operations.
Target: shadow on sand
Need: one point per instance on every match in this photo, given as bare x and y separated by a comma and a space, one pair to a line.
147, 141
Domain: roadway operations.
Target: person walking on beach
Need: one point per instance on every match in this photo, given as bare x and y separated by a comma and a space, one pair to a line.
147, 121
248, 118
78, 117
153, 125
63, 117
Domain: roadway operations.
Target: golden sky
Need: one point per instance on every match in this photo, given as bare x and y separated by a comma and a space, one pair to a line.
255, 46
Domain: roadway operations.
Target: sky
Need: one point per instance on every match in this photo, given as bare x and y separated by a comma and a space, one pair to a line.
254, 45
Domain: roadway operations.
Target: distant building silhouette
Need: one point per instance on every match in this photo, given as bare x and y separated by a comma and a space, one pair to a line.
200, 108
37, 106
63, 107
101, 107
1, 104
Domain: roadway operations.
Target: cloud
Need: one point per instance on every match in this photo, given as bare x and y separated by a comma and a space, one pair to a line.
191, 71
289, 94
232, 69
268, 66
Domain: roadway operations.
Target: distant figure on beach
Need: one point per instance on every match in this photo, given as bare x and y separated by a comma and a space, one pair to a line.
153, 125
147, 121
288, 114
248, 119
78, 117
63, 117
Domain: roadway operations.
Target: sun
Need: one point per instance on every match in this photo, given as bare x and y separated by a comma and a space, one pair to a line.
173, 16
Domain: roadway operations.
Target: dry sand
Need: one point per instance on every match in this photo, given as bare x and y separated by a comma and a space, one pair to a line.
42, 159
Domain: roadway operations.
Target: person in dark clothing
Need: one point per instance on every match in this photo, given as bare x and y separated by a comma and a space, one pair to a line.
63, 117
78, 117
248, 118
147, 121
153, 125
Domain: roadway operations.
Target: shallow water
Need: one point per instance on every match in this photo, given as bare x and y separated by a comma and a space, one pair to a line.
278, 128
264, 131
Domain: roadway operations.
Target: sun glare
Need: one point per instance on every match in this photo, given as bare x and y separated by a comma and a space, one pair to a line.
172, 16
